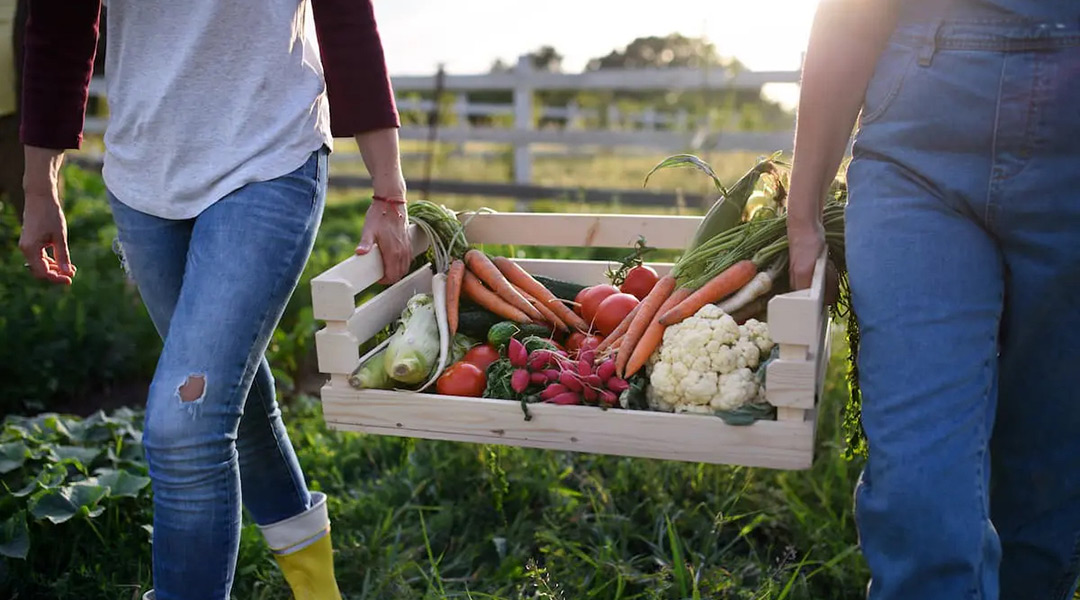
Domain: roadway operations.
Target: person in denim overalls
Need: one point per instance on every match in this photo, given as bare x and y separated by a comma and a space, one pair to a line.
963, 249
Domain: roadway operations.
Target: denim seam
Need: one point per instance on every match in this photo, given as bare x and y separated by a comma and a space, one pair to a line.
991, 186
978, 593
281, 454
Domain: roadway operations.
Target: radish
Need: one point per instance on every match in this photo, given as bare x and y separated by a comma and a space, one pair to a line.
617, 385
540, 359
553, 390
594, 381
519, 381
608, 397
516, 353
606, 369
588, 356
538, 378
584, 367
566, 398
590, 394
570, 381
551, 374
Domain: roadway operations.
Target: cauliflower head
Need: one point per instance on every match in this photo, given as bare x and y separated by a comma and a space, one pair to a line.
705, 363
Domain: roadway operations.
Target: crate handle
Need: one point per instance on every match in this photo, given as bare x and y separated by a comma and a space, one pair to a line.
333, 292
794, 318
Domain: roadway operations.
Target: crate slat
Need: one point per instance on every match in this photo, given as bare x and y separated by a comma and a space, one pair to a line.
580, 230
644, 434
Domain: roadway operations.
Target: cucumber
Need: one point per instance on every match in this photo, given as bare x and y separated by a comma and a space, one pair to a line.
562, 289
475, 322
500, 333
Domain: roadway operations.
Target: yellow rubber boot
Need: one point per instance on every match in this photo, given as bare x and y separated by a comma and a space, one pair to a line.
303, 551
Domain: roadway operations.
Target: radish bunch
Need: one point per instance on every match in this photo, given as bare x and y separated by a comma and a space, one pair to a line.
560, 379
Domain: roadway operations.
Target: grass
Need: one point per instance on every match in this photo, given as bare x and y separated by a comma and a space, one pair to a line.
426, 519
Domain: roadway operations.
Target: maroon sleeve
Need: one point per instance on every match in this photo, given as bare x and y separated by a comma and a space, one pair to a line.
58, 60
357, 82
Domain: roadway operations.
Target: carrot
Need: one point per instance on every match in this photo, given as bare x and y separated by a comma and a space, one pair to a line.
549, 316
653, 335
483, 268
727, 282
618, 332
655, 300
474, 288
521, 278
454, 275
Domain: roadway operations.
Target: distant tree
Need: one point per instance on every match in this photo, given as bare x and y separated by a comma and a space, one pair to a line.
674, 50
546, 58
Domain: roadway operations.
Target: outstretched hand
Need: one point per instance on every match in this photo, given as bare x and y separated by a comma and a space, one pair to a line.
386, 225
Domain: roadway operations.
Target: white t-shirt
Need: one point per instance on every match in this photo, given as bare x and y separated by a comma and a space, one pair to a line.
207, 96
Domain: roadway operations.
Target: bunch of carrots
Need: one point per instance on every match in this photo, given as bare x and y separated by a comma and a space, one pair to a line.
501, 286
733, 263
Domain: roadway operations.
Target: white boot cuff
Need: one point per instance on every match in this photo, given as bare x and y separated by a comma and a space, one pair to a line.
300, 530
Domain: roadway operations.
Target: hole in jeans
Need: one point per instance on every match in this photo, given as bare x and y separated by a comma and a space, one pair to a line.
193, 389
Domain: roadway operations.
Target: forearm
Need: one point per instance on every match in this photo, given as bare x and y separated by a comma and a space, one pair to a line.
42, 173
381, 155
845, 41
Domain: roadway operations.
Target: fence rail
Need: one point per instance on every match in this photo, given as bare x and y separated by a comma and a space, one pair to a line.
530, 125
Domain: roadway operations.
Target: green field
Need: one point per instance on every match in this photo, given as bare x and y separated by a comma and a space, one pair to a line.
412, 519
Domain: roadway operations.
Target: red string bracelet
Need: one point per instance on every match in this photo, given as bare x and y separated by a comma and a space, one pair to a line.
388, 200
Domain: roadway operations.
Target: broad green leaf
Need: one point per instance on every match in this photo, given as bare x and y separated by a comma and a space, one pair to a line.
61, 504
51, 476
57, 424
15, 536
121, 483
54, 505
14, 431
79, 453
12, 456
687, 160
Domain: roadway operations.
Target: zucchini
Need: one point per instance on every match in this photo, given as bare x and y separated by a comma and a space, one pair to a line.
500, 333
564, 290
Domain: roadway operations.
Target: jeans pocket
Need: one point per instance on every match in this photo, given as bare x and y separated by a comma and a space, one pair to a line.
892, 68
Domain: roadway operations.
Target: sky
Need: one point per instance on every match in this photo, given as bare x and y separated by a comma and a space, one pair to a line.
468, 35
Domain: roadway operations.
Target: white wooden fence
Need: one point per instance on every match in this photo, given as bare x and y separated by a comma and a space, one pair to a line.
649, 128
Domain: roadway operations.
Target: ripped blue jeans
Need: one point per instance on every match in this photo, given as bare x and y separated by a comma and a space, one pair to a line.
216, 286
963, 247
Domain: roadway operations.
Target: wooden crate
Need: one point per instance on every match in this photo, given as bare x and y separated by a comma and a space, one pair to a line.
798, 322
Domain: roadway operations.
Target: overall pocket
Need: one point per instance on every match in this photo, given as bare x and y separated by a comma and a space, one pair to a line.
892, 68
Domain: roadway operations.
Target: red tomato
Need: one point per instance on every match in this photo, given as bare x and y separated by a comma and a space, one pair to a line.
579, 298
592, 298
462, 379
639, 281
612, 311
481, 356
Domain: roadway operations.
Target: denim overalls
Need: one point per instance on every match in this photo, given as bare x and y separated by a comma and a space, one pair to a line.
963, 244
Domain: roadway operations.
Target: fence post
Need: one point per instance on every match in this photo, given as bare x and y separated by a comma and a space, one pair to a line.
461, 111
523, 119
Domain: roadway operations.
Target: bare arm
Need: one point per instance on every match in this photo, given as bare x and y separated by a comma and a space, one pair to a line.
846, 39
386, 220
